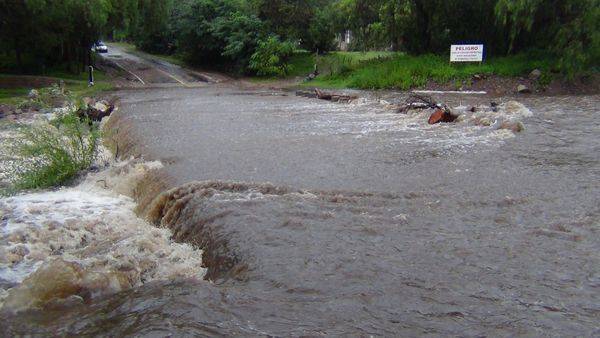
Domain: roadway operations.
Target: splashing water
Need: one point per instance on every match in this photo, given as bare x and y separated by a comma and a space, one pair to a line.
84, 241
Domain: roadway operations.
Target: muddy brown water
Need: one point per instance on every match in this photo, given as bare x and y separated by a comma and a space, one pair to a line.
330, 219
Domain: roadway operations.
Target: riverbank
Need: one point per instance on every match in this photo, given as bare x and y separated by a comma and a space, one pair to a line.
68, 230
519, 74
532, 74
14, 88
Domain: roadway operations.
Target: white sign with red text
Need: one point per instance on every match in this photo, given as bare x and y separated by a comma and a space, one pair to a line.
466, 53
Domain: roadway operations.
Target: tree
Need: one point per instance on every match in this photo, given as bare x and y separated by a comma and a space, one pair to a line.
151, 26
217, 32
272, 56
568, 28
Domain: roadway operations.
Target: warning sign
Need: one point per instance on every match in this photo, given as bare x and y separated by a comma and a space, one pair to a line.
466, 53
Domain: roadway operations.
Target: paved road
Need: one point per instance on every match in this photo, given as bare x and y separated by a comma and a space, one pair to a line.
144, 70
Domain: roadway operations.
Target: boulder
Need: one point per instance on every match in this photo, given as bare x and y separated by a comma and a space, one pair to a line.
523, 89
436, 117
515, 127
535, 74
33, 94
101, 106
6, 109
87, 101
442, 115
97, 111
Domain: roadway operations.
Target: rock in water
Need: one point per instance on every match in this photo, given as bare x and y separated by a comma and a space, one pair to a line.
54, 280
441, 115
515, 127
436, 117
523, 89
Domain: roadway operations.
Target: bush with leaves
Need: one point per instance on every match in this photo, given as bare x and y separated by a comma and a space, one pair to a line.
272, 56
51, 154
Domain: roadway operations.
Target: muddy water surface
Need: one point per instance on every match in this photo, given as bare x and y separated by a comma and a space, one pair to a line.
330, 219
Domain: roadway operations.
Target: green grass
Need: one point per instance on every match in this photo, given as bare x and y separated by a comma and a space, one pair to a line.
398, 71
75, 83
53, 154
303, 62
11, 94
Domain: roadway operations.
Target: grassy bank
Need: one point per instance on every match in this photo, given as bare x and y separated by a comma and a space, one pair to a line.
399, 71
303, 63
46, 153
14, 88
393, 70
388, 70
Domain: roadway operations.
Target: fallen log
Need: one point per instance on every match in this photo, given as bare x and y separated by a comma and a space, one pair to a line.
442, 113
308, 94
322, 95
416, 101
334, 97
318, 94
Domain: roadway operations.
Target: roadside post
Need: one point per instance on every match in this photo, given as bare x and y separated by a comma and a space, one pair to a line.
91, 75
466, 53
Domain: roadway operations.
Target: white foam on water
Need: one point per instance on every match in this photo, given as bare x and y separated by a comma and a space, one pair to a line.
88, 235
486, 127
465, 92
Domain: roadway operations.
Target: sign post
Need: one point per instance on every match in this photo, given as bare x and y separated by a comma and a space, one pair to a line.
466, 53
91, 75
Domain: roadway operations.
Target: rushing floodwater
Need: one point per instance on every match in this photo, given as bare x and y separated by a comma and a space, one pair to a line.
374, 223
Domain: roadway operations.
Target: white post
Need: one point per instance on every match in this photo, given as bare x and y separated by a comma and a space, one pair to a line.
91, 75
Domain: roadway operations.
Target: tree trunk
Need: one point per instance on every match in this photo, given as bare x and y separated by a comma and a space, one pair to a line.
17, 46
423, 25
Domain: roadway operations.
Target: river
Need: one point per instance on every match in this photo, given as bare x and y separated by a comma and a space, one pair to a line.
319, 218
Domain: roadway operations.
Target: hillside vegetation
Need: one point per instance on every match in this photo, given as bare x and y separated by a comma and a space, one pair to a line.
263, 37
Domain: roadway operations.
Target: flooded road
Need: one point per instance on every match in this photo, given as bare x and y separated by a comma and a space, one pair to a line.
318, 218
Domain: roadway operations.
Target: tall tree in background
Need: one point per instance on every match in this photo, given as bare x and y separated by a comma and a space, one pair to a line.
216, 32
16, 28
43, 33
568, 28
151, 27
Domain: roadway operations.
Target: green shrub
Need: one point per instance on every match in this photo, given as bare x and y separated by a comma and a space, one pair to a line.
53, 154
272, 57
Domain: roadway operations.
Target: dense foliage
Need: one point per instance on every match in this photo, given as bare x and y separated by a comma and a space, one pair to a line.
568, 28
272, 57
228, 33
43, 33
